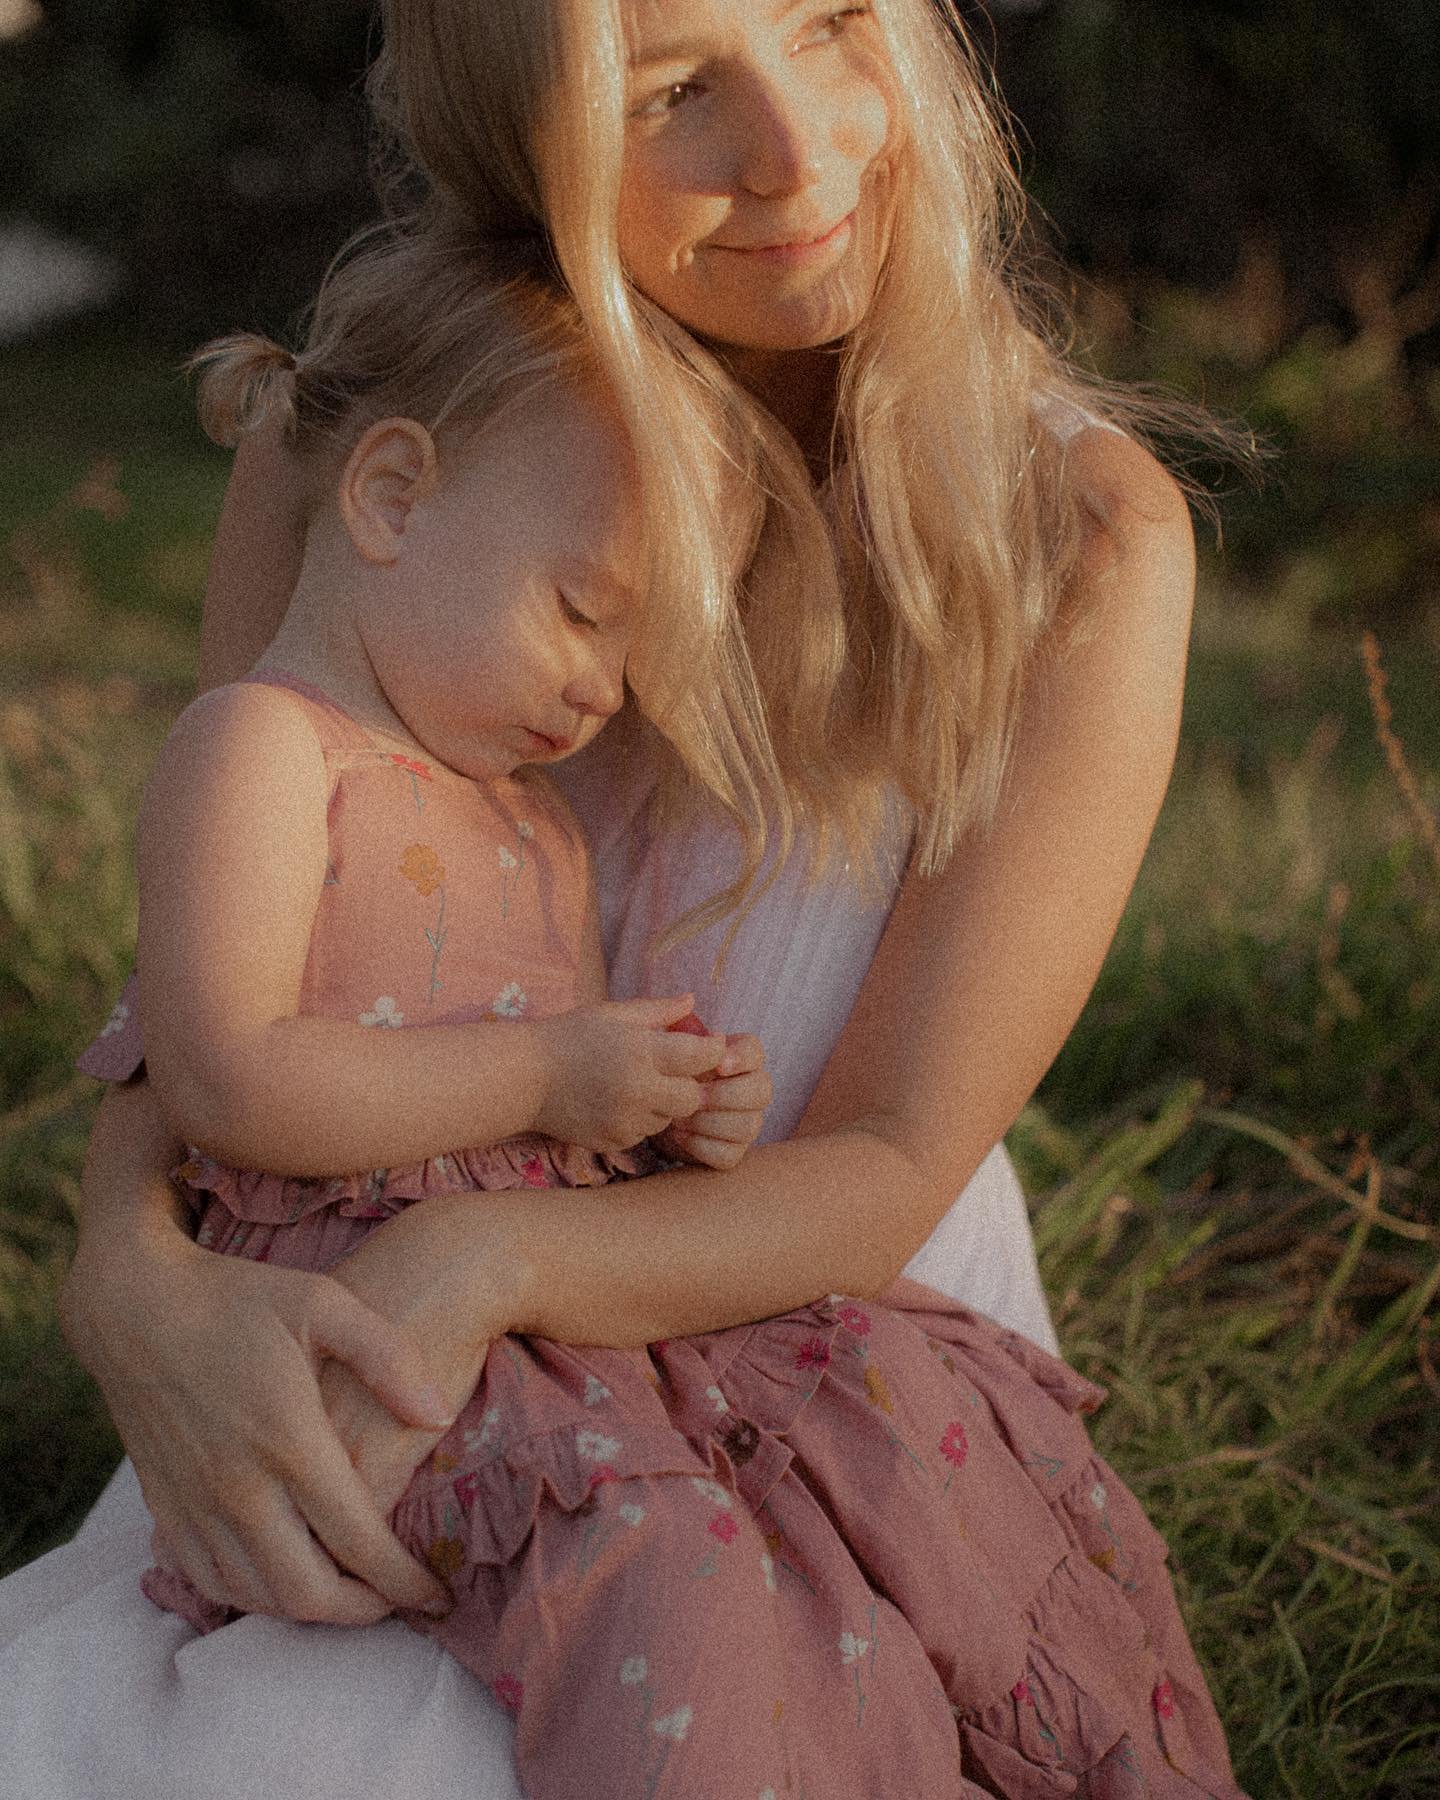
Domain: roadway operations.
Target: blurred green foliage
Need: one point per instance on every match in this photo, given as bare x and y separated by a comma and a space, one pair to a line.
1249, 189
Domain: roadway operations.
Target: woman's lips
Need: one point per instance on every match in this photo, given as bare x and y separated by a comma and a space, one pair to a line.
798, 252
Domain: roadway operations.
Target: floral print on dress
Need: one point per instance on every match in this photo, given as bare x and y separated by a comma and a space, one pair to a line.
385, 1013
118, 1020
510, 1002
425, 872
512, 864
417, 772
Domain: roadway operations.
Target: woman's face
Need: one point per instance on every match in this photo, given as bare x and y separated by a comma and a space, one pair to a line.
756, 188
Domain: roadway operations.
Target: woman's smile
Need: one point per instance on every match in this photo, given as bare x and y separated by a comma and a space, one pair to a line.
753, 207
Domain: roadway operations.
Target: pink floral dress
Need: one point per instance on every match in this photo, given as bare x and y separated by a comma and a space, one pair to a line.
863, 1551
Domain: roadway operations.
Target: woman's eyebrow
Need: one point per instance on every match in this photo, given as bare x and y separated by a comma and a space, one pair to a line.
682, 49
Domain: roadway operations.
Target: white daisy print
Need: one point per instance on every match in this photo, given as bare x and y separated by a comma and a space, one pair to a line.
384, 1012
675, 1724
631, 1513
1097, 1496
477, 1440
508, 859
712, 1490
717, 1399
633, 1671
852, 1647
595, 1390
767, 1569
510, 1001
119, 1018
596, 1446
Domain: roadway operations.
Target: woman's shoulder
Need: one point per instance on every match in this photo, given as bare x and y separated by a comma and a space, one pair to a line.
1135, 518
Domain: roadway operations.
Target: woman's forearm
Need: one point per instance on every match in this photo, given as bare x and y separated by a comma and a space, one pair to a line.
130, 1209
673, 1254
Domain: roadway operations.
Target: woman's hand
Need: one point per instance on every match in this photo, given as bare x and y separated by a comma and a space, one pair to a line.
210, 1368
730, 1115
407, 1273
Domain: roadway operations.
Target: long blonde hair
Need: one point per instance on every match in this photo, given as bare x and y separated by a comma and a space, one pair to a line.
883, 647
453, 332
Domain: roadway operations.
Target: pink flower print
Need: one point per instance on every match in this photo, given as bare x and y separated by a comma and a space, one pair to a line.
1164, 1698
534, 1172
509, 1690
723, 1526
955, 1446
854, 1319
814, 1353
603, 1474
1021, 1694
412, 765
466, 1488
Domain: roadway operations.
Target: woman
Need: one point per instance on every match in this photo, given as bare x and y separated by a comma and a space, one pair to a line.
972, 656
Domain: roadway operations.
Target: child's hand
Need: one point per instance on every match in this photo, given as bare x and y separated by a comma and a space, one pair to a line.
729, 1119
619, 1074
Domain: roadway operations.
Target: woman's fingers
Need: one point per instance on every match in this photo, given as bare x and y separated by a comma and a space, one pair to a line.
339, 1509
382, 1355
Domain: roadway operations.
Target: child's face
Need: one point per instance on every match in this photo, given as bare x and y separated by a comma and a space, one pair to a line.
755, 195
501, 634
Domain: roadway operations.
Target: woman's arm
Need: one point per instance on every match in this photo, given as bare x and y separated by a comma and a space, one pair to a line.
208, 1365
232, 864
981, 974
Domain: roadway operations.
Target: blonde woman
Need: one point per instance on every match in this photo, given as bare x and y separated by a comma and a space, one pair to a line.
952, 607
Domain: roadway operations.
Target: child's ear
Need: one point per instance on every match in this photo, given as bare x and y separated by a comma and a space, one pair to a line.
391, 467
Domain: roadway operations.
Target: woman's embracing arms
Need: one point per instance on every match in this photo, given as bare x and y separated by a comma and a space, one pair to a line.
984, 968
978, 980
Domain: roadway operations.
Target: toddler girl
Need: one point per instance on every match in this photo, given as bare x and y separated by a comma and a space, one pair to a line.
863, 1548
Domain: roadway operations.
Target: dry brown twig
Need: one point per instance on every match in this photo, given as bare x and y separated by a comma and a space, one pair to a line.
1376, 681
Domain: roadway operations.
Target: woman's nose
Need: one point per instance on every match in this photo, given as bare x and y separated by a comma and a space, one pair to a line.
779, 143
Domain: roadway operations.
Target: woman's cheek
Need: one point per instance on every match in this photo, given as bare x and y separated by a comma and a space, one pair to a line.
862, 127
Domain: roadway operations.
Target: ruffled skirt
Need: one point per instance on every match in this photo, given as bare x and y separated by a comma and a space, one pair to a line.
863, 1550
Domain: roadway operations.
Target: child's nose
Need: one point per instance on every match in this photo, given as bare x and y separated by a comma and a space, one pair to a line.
597, 686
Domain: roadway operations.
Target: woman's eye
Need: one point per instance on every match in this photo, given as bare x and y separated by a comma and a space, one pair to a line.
666, 100
836, 24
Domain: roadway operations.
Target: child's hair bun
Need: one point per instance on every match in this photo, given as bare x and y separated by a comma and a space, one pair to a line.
244, 379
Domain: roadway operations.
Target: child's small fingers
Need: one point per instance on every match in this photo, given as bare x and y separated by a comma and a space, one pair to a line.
680, 1054
677, 1098
712, 1152
743, 1052
751, 1092
726, 1126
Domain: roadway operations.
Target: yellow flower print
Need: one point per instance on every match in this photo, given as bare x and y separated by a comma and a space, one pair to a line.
422, 867
445, 1556
876, 1390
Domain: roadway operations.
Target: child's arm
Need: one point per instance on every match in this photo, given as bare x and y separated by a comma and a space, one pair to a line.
232, 862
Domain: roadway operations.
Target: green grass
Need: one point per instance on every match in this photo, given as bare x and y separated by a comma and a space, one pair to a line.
1234, 1162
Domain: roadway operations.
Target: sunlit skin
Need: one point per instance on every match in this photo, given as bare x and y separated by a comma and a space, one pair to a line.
755, 192
484, 629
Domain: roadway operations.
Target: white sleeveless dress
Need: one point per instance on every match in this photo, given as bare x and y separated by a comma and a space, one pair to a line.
104, 1697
